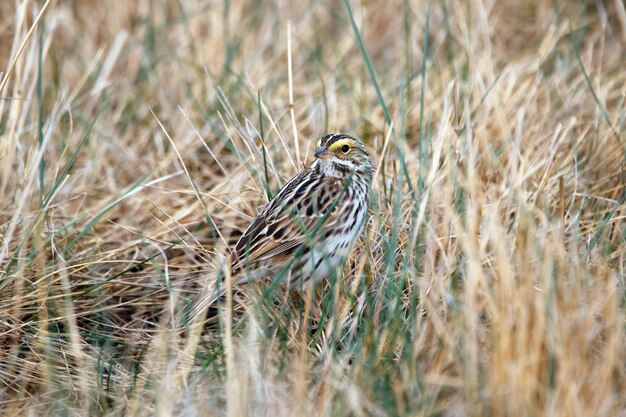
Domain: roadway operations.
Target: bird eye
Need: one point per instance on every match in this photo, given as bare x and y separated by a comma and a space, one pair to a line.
345, 148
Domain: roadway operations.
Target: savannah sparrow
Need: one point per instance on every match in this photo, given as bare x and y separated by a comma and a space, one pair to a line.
309, 227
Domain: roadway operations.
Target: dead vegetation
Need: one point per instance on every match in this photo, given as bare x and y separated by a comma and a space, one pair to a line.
137, 139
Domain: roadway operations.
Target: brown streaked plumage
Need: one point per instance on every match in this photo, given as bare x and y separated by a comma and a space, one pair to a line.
309, 227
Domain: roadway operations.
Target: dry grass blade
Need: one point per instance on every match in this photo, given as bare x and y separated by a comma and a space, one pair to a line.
138, 139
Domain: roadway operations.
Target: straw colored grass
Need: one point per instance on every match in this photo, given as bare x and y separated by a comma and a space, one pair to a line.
138, 139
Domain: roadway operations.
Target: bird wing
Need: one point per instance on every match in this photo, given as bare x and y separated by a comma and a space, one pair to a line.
288, 219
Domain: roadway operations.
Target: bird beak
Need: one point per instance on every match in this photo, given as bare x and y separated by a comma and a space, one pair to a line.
322, 153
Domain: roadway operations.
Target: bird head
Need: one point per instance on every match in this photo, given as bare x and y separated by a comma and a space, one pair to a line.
342, 152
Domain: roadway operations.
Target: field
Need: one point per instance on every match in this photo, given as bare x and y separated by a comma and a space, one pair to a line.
139, 139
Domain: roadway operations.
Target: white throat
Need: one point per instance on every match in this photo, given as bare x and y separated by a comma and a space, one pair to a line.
333, 168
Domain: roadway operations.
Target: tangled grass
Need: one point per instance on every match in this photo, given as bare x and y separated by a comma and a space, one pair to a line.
137, 139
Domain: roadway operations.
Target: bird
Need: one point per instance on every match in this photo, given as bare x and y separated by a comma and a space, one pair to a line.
309, 227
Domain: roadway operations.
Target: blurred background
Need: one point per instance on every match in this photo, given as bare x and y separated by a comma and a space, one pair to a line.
138, 140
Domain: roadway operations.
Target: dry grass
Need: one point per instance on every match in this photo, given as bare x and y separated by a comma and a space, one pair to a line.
490, 281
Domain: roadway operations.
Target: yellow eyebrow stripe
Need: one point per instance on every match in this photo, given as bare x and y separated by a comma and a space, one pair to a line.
340, 143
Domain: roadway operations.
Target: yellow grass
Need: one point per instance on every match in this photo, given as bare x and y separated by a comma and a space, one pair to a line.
138, 139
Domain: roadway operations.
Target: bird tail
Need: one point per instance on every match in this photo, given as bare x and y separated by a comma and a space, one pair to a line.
195, 310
